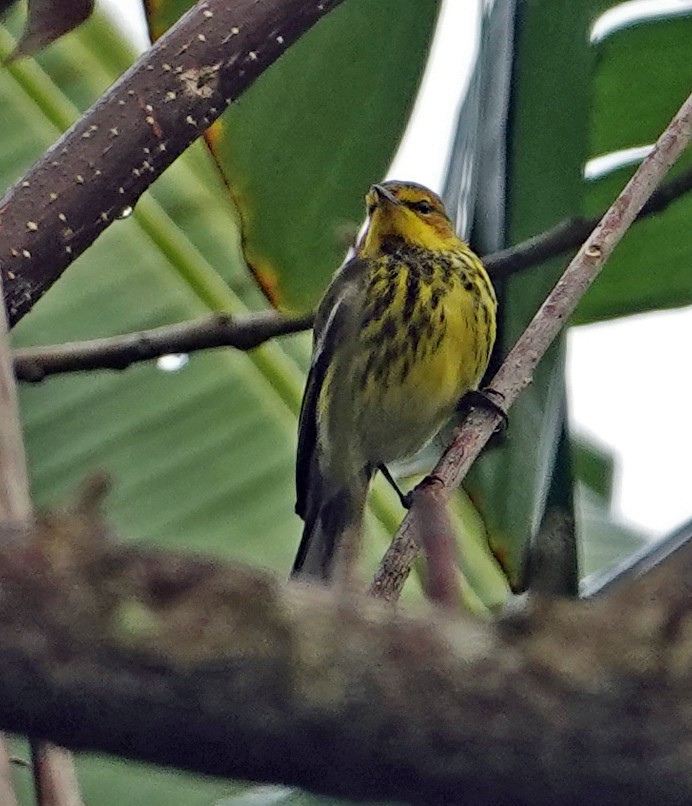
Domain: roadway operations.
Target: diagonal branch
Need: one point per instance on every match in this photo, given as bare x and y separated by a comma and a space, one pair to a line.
516, 371
135, 131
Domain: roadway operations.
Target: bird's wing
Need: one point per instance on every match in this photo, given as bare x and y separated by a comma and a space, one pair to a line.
332, 322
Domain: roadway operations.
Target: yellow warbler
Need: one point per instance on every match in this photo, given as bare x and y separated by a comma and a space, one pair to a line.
405, 329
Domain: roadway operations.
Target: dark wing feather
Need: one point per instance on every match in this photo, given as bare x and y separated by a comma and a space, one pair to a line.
331, 320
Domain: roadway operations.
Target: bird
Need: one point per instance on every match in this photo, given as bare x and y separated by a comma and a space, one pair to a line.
404, 330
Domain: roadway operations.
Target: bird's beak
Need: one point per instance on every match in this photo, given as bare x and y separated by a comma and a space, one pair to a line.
383, 194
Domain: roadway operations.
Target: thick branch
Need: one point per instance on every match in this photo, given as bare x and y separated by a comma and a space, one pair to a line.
135, 131
119, 352
516, 372
182, 661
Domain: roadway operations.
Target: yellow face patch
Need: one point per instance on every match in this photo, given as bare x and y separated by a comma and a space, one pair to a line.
406, 212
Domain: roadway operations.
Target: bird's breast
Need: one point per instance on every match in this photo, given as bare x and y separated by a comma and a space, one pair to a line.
422, 350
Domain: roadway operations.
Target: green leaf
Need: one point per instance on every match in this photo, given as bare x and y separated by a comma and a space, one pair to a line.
644, 73
605, 539
545, 47
298, 169
593, 466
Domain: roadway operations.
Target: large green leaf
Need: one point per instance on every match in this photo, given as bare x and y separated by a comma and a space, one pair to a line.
364, 62
528, 151
644, 73
301, 147
566, 100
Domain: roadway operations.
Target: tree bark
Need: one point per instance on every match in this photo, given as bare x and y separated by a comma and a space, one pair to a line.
187, 662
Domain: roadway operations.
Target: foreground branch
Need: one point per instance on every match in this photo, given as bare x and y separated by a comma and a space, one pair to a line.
516, 371
176, 660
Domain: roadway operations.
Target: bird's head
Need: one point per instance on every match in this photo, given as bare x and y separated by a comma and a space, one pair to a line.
408, 212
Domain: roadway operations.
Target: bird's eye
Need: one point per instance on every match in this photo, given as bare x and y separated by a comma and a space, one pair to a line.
423, 207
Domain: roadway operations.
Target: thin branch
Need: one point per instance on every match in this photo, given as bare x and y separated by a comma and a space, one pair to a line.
15, 506
135, 131
240, 675
53, 768
119, 352
569, 235
516, 371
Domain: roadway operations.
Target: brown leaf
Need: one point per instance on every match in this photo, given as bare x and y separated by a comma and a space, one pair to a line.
48, 20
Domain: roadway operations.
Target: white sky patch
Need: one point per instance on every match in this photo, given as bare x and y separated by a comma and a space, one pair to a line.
630, 385
172, 362
635, 11
605, 164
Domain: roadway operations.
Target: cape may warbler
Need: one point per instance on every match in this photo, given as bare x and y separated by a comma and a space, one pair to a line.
404, 331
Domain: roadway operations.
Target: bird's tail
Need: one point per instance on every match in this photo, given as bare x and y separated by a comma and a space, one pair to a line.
332, 532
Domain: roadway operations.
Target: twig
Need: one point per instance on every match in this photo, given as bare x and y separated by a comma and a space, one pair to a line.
243, 676
118, 352
568, 235
516, 371
54, 775
436, 535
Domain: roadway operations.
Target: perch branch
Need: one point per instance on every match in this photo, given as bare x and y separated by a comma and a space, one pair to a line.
110, 156
242, 676
516, 371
